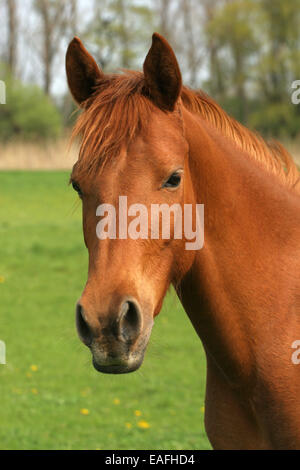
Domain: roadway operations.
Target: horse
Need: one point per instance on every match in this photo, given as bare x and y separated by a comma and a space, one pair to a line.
146, 136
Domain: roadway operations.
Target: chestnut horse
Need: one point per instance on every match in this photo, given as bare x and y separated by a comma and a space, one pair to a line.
146, 136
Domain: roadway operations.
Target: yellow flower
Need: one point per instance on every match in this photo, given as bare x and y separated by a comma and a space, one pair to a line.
34, 368
29, 375
202, 409
137, 413
143, 424
116, 401
34, 391
84, 411
2, 279
128, 425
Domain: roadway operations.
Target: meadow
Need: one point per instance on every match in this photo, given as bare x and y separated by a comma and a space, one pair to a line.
51, 396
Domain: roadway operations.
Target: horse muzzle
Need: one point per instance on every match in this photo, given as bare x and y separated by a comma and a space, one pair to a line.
117, 342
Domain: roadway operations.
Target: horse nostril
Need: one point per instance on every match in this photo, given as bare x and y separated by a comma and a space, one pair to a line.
83, 328
130, 323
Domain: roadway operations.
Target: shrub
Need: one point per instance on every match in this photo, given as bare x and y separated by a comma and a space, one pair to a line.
276, 119
28, 113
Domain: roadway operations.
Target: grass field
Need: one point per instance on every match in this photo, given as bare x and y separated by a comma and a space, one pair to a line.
51, 397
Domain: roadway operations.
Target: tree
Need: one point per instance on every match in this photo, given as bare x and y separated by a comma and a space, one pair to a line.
28, 113
163, 9
12, 35
216, 82
57, 17
180, 22
118, 32
234, 37
279, 60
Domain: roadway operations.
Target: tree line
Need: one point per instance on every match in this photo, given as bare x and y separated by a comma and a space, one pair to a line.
244, 53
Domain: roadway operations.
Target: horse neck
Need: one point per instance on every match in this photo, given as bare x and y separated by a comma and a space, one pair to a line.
235, 283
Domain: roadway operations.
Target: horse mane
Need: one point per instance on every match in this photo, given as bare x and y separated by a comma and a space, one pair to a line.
271, 155
120, 107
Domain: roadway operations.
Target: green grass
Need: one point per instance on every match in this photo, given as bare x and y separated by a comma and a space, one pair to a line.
43, 265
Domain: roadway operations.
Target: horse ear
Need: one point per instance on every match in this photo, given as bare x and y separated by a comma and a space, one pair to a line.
162, 74
82, 71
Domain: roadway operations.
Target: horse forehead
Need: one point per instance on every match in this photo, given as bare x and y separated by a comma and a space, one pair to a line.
156, 147
165, 127
122, 172
161, 138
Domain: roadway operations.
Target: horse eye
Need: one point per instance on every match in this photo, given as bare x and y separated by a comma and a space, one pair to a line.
173, 181
77, 188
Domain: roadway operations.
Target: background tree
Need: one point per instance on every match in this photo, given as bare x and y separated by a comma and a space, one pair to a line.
244, 53
116, 32
12, 35
231, 33
57, 17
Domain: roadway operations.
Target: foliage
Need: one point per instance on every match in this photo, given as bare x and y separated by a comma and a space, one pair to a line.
276, 119
28, 113
117, 31
257, 50
244, 53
